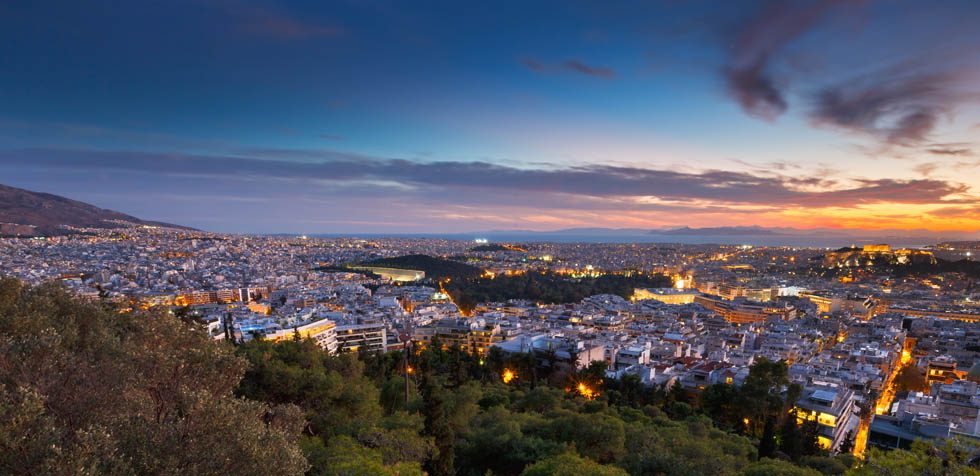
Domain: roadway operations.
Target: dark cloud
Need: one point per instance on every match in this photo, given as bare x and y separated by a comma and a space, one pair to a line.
569, 66
755, 91
580, 67
599, 181
958, 149
957, 212
748, 74
898, 106
534, 65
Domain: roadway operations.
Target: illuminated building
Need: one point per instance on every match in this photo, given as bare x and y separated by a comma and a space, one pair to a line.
744, 312
323, 332
731, 292
394, 274
877, 248
358, 337
559, 348
965, 316
948, 411
469, 335
666, 295
942, 369
824, 303
833, 409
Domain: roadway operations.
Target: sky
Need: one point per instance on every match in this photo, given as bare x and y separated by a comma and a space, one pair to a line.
435, 117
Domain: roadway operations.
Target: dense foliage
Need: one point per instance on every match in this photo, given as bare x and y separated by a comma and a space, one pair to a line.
548, 287
87, 389
434, 268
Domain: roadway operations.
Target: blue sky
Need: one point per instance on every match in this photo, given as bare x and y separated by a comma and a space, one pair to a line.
345, 117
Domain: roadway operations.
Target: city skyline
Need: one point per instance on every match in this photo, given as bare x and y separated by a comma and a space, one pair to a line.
309, 117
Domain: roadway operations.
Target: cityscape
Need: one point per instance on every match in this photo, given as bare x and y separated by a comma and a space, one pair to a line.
371, 238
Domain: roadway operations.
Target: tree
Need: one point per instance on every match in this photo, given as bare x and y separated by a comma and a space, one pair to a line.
343, 456
811, 438
720, 402
87, 389
568, 464
774, 467
950, 457
847, 445
910, 379
676, 394
767, 444
437, 425
790, 438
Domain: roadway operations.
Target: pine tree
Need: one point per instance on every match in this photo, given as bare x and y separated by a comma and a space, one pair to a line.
767, 445
437, 425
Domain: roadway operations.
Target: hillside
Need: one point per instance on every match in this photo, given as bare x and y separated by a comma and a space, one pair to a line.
45, 212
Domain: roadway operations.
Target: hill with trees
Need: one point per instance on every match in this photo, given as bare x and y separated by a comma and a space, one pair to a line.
434, 268
548, 287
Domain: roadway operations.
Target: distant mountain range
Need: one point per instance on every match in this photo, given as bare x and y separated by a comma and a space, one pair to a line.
755, 235
840, 232
23, 212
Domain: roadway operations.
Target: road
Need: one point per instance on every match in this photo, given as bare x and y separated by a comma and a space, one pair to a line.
884, 402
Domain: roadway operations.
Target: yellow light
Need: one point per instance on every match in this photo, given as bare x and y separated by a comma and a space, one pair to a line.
410, 369
509, 375
586, 392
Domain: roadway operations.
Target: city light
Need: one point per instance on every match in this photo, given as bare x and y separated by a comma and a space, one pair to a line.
586, 392
765, 209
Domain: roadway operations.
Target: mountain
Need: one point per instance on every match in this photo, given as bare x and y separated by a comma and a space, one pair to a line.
23, 212
721, 231
738, 235
848, 233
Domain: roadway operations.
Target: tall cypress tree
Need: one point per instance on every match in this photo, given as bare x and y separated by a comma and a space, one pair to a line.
767, 445
437, 425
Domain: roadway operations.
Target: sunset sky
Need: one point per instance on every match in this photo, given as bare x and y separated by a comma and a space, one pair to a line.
410, 117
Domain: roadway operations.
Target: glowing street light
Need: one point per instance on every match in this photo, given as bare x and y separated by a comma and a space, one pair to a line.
509, 375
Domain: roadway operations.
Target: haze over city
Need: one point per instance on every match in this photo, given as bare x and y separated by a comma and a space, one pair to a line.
378, 117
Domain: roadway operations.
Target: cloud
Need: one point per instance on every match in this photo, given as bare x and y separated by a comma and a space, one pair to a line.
580, 67
898, 106
599, 183
927, 168
957, 212
748, 74
958, 149
569, 66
